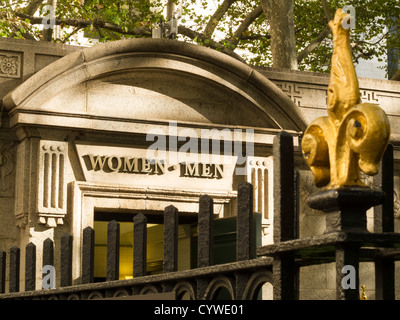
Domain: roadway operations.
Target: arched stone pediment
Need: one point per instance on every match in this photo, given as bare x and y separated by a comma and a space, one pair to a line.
110, 86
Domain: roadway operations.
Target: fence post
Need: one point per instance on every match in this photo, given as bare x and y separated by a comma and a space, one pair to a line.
113, 231
245, 240
48, 260
30, 267
2, 271
14, 269
205, 233
347, 255
205, 240
284, 269
345, 212
170, 263
48, 252
383, 214
384, 222
244, 226
139, 245
66, 260
88, 255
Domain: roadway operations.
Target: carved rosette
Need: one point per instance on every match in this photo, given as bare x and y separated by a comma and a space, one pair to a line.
10, 64
51, 200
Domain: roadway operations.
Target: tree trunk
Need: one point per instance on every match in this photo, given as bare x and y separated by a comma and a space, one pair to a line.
279, 14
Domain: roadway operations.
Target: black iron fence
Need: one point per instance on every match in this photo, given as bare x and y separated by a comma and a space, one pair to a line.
278, 263
241, 279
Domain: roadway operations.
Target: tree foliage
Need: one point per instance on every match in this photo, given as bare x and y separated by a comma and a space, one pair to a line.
238, 28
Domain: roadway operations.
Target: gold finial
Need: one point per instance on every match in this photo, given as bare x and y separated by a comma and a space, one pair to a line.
354, 135
363, 294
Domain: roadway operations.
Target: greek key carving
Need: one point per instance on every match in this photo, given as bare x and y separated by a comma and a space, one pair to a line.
292, 90
369, 96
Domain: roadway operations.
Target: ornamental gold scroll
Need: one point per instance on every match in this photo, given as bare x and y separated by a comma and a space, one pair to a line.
354, 135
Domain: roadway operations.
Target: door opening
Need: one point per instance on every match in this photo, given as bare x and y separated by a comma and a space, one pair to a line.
155, 242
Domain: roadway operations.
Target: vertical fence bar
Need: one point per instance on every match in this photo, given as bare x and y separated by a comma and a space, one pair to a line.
48, 281
245, 240
205, 233
347, 255
48, 252
384, 278
244, 225
3, 256
139, 245
170, 263
284, 270
384, 222
88, 255
14, 269
66, 260
205, 241
30, 267
284, 199
113, 231
383, 214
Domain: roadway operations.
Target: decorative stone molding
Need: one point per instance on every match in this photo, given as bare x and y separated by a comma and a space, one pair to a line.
10, 64
78, 76
292, 90
396, 207
258, 174
258, 177
22, 221
25, 179
7, 168
369, 96
295, 92
51, 199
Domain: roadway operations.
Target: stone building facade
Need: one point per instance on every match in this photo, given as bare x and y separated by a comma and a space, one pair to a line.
94, 134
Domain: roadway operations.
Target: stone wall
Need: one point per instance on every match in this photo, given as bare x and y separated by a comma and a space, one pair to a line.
20, 59
309, 91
